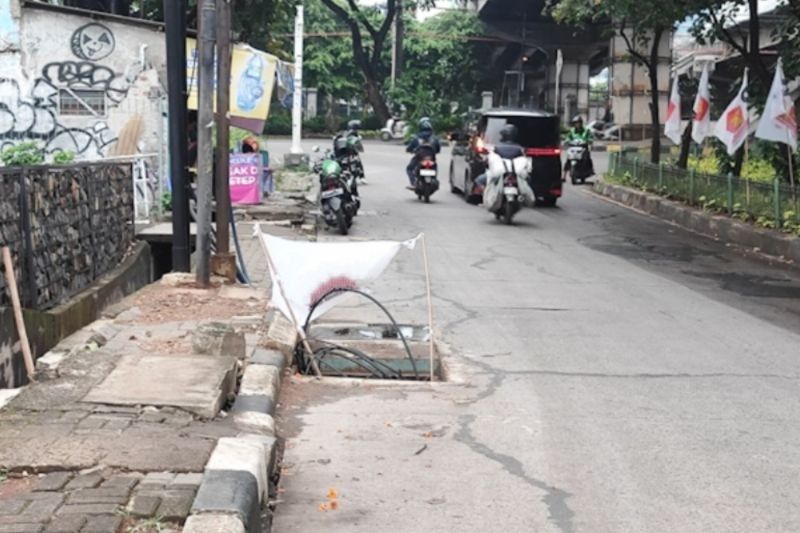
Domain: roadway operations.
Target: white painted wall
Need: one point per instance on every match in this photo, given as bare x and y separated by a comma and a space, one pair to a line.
65, 52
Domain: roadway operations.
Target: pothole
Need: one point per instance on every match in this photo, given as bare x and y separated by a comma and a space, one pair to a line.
373, 351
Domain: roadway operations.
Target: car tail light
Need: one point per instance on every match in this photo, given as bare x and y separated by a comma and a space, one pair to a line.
481, 147
555, 192
543, 152
427, 163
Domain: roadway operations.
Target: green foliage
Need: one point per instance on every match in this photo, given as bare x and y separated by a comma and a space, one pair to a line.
279, 123
759, 170
64, 158
444, 70
315, 125
791, 222
707, 164
765, 222
22, 155
166, 202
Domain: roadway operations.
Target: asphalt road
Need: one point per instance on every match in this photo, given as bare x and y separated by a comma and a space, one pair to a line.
610, 373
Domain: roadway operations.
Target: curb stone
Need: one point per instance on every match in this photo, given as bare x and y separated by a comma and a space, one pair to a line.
726, 229
237, 476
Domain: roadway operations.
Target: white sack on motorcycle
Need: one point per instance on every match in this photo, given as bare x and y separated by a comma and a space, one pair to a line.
309, 270
497, 167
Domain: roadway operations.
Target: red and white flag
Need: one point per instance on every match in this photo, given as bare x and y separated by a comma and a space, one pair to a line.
734, 123
779, 121
309, 271
701, 121
672, 124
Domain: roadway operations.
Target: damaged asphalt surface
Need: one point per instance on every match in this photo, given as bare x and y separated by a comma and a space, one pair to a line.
608, 373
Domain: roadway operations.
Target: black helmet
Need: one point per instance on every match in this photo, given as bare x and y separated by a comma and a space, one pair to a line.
576, 119
508, 133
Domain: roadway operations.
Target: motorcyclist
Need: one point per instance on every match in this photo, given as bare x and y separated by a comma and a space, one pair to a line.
578, 133
507, 148
424, 137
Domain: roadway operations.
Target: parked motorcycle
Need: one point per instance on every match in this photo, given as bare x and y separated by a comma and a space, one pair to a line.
347, 148
580, 168
338, 204
427, 181
395, 129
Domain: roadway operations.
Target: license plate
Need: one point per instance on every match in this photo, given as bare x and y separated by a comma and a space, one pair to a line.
426, 172
510, 190
334, 192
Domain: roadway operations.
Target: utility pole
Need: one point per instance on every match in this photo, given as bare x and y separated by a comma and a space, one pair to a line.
297, 99
205, 146
175, 21
400, 30
223, 262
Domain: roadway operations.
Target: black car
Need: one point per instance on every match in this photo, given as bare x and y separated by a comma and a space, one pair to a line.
539, 133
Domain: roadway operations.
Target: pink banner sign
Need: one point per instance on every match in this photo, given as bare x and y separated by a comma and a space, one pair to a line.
245, 178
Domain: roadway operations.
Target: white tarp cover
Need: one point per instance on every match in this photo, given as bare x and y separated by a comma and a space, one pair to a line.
496, 169
309, 270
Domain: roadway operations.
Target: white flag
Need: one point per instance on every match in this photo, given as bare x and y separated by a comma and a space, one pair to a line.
701, 121
779, 122
734, 124
308, 271
672, 124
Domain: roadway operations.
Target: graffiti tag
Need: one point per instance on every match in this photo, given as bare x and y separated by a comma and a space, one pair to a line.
93, 42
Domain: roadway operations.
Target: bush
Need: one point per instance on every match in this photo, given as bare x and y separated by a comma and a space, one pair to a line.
279, 123
756, 169
22, 155
315, 125
63, 158
372, 122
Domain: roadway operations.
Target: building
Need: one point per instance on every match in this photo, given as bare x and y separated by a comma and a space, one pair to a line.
80, 81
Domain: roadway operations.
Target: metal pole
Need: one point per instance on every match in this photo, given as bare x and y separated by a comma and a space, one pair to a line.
730, 193
297, 100
205, 147
175, 21
223, 262
776, 186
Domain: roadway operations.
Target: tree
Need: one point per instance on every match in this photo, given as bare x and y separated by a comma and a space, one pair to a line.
368, 49
443, 66
642, 24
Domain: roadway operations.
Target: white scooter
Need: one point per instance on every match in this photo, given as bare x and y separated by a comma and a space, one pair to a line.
395, 129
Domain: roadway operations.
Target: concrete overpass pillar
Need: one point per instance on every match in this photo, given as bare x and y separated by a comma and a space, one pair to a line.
629, 87
573, 89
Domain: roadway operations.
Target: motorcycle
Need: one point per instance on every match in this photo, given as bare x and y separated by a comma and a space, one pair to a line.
580, 167
338, 204
347, 148
394, 129
427, 181
507, 188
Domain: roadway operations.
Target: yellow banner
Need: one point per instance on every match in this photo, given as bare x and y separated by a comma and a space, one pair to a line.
251, 84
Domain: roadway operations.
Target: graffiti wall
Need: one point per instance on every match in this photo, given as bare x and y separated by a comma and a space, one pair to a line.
80, 83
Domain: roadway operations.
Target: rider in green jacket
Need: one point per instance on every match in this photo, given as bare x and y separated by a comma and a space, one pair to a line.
578, 133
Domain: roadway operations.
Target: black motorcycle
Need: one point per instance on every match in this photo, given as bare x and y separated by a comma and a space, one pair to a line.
338, 205
426, 173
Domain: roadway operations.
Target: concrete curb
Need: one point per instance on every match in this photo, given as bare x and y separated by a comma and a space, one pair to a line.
237, 476
726, 229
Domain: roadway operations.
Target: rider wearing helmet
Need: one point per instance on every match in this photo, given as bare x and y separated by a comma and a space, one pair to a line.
578, 133
424, 137
507, 148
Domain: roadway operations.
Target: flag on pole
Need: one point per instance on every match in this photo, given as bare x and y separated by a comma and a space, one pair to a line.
701, 122
734, 123
672, 125
304, 272
779, 121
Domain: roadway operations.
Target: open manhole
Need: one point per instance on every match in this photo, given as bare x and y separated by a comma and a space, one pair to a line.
372, 351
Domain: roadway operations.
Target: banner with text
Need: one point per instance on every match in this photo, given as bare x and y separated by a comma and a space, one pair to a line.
244, 179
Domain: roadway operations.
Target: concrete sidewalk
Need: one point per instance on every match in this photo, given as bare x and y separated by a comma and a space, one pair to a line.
118, 430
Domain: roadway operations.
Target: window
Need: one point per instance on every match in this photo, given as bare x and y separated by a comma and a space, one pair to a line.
532, 132
81, 102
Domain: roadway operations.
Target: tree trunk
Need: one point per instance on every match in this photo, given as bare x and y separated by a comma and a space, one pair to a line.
655, 120
686, 143
375, 99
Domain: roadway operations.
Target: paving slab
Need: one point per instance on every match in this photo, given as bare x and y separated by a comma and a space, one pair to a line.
196, 383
